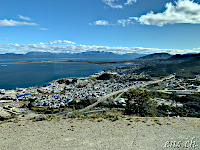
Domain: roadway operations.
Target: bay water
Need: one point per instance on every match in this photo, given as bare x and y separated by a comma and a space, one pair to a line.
37, 74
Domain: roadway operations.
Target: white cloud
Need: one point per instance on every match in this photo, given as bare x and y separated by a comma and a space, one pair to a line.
60, 42
130, 2
184, 11
67, 42
6, 22
45, 47
6, 39
100, 23
24, 17
112, 4
43, 29
125, 22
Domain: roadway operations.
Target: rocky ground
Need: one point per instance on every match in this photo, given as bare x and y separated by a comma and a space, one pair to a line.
129, 133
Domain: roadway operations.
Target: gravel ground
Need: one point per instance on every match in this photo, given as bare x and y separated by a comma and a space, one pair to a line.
89, 134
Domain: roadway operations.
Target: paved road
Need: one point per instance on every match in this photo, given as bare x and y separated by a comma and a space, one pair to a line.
104, 98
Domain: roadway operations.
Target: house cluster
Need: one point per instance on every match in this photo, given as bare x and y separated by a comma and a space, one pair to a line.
61, 92
160, 102
183, 84
127, 74
18, 94
8, 111
82, 89
179, 86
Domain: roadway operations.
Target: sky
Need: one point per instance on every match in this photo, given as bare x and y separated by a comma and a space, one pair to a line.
118, 26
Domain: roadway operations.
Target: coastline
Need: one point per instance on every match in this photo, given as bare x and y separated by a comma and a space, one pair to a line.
52, 81
67, 61
52, 75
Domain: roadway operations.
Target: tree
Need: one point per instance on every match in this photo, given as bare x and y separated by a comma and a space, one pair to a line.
104, 76
139, 103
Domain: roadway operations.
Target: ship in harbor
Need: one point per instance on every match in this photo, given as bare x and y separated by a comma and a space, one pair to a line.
3, 65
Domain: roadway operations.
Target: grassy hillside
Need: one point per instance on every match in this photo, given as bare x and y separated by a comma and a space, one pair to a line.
186, 69
157, 56
185, 56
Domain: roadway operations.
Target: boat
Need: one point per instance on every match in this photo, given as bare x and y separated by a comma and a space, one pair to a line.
3, 65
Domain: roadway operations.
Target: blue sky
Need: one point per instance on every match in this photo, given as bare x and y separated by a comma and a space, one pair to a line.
119, 26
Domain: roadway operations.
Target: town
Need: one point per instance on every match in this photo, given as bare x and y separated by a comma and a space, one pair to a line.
59, 93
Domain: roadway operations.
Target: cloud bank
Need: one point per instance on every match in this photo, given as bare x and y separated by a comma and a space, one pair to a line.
69, 47
184, 11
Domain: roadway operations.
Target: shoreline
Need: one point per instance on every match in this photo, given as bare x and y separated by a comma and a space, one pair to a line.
34, 62
68, 61
52, 81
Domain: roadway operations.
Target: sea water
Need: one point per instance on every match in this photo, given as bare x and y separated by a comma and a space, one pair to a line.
37, 74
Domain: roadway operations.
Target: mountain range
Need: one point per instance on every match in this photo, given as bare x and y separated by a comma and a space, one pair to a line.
90, 54
100, 54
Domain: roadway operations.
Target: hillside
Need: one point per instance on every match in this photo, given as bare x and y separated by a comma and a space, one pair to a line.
185, 56
157, 56
188, 68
